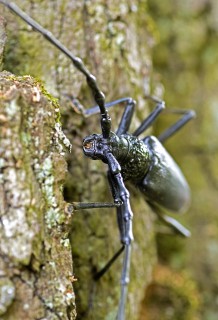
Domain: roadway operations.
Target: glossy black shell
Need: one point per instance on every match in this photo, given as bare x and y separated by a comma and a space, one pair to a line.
164, 184
150, 167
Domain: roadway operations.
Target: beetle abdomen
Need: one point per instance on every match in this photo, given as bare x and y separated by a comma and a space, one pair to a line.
164, 184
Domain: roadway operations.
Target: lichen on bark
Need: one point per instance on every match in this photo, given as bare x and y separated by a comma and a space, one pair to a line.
32, 230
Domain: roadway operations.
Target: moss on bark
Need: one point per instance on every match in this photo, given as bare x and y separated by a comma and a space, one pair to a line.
33, 232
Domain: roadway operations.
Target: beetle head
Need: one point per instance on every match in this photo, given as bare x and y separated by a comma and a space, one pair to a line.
95, 147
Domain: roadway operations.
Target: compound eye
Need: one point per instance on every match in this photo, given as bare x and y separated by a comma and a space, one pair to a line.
88, 145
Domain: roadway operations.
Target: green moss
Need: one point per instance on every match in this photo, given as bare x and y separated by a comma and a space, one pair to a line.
25, 138
23, 80
50, 97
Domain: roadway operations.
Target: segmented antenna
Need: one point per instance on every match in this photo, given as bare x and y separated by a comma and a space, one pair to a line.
98, 95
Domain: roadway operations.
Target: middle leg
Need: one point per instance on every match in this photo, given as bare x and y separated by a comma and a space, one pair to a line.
151, 117
187, 115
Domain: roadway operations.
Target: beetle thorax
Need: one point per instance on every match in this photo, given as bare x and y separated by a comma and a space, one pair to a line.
131, 153
134, 157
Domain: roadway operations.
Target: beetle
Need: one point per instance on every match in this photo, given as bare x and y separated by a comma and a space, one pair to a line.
145, 162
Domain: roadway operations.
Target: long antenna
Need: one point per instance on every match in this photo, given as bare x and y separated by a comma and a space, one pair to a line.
98, 95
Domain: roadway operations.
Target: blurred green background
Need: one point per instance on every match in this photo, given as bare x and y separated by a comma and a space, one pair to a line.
185, 60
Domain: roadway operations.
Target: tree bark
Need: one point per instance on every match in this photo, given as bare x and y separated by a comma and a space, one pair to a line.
35, 253
114, 39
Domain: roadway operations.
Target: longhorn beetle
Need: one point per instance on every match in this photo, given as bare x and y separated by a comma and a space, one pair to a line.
144, 162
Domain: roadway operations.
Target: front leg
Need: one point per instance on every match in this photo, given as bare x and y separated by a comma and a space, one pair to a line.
125, 215
119, 191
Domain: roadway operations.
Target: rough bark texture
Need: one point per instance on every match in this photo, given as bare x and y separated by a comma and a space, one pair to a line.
35, 254
114, 39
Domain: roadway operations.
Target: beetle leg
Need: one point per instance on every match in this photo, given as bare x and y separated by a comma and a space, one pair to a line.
126, 117
124, 276
74, 206
124, 210
101, 272
116, 197
95, 109
150, 119
124, 282
125, 216
176, 226
187, 116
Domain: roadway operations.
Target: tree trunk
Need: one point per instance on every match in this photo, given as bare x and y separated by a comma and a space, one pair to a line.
114, 39
36, 266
